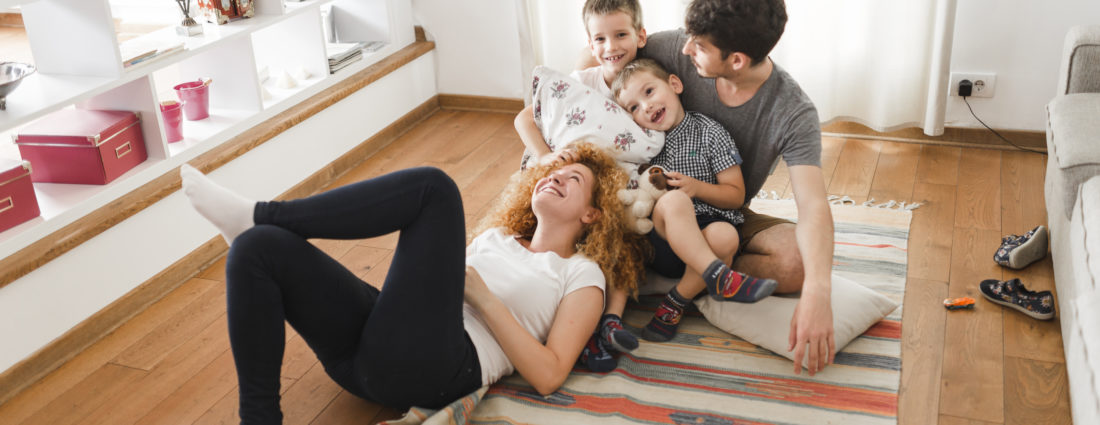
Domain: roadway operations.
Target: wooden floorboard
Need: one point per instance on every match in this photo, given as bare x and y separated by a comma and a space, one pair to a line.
172, 363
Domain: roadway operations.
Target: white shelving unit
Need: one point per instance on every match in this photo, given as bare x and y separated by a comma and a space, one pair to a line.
82, 67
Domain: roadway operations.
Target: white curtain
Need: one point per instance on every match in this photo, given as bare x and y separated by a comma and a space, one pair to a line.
867, 61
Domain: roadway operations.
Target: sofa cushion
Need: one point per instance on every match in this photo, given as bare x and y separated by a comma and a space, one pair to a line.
1073, 141
1080, 61
1087, 298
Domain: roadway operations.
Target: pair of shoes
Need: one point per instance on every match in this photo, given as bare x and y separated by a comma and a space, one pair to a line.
1012, 293
1018, 251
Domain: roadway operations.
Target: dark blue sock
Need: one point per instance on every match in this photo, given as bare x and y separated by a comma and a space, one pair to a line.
615, 336
596, 356
724, 284
666, 320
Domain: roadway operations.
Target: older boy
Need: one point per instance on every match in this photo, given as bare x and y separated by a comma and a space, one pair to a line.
615, 34
697, 220
722, 56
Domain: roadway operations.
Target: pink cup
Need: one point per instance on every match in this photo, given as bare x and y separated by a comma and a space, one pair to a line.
173, 121
195, 96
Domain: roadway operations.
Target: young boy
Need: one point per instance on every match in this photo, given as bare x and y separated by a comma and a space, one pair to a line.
697, 220
615, 34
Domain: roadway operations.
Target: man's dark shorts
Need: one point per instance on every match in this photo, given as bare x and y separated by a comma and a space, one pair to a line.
668, 264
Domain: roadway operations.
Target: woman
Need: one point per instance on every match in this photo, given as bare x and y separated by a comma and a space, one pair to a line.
532, 282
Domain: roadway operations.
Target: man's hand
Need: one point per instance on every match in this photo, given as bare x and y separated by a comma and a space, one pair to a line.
812, 332
686, 184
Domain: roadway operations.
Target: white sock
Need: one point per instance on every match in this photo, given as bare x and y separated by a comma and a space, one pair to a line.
229, 212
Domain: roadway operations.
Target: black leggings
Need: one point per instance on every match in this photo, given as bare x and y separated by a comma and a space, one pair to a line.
400, 347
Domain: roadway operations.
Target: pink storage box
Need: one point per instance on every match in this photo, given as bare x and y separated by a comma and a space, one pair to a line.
82, 146
17, 201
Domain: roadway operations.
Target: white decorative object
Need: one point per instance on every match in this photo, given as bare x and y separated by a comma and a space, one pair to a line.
300, 73
283, 80
265, 93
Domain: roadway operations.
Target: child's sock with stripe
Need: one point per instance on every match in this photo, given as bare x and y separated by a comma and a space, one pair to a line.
596, 357
615, 336
724, 284
666, 320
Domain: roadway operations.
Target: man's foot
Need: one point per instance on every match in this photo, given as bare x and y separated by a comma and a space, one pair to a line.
666, 320
615, 336
724, 284
1018, 251
1012, 293
229, 212
596, 357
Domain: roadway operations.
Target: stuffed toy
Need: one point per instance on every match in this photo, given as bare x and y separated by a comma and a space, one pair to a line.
652, 183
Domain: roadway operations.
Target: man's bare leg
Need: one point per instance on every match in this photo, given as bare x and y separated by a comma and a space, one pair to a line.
773, 253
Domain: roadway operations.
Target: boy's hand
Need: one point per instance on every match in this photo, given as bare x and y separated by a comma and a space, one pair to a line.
559, 158
688, 185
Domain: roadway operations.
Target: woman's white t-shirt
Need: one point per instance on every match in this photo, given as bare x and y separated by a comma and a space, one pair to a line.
530, 284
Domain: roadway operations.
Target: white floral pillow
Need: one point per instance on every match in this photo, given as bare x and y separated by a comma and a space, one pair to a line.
566, 110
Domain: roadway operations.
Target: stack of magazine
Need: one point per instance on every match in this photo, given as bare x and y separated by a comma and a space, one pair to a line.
341, 55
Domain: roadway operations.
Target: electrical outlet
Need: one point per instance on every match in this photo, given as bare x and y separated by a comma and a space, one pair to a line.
984, 83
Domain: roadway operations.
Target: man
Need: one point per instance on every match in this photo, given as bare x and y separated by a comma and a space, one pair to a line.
722, 58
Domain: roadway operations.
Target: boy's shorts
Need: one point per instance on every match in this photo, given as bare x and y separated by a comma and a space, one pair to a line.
668, 264
664, 260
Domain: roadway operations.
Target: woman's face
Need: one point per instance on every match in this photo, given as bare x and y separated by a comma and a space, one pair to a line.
565, 194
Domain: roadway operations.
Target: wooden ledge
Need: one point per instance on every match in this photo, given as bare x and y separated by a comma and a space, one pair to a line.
57, 243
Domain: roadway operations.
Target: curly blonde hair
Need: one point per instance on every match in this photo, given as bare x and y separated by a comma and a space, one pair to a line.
608, 241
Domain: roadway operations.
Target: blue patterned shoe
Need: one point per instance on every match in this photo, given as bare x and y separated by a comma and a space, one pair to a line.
1018, 252
1012, 293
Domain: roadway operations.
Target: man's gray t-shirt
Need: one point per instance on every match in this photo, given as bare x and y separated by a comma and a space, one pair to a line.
779, 119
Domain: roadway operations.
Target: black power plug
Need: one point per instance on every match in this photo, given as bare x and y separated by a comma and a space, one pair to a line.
965, 88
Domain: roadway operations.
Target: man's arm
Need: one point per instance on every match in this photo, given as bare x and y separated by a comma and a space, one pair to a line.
812, 325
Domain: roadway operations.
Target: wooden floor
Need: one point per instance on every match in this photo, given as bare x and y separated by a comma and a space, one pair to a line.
172, 364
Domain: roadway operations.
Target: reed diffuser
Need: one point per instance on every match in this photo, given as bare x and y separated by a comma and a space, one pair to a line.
188, 27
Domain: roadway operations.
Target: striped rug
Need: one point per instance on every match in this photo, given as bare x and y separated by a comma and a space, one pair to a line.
706, 376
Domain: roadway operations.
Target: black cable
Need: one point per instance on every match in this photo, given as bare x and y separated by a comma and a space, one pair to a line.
995, 131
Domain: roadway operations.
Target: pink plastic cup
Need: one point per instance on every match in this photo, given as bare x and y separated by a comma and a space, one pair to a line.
195, 96
173, 121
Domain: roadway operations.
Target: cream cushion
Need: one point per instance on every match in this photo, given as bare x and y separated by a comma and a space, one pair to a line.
767, 323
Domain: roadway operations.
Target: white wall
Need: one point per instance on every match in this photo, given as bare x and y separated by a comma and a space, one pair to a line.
1019, 40
477, 45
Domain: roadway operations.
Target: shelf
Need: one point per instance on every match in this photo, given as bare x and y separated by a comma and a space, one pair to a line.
41, 93
209, 129
289, 38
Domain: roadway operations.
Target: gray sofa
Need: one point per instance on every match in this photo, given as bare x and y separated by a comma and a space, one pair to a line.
1073, 212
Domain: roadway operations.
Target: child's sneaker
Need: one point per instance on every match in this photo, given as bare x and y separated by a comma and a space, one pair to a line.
1018, 251
1012, 293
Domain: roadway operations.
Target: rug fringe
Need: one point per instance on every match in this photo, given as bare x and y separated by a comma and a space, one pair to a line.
847, 200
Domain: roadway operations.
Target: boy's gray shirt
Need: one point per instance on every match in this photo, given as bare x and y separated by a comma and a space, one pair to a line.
779, 119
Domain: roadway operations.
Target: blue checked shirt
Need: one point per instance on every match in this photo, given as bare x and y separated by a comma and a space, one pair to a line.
700, 148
